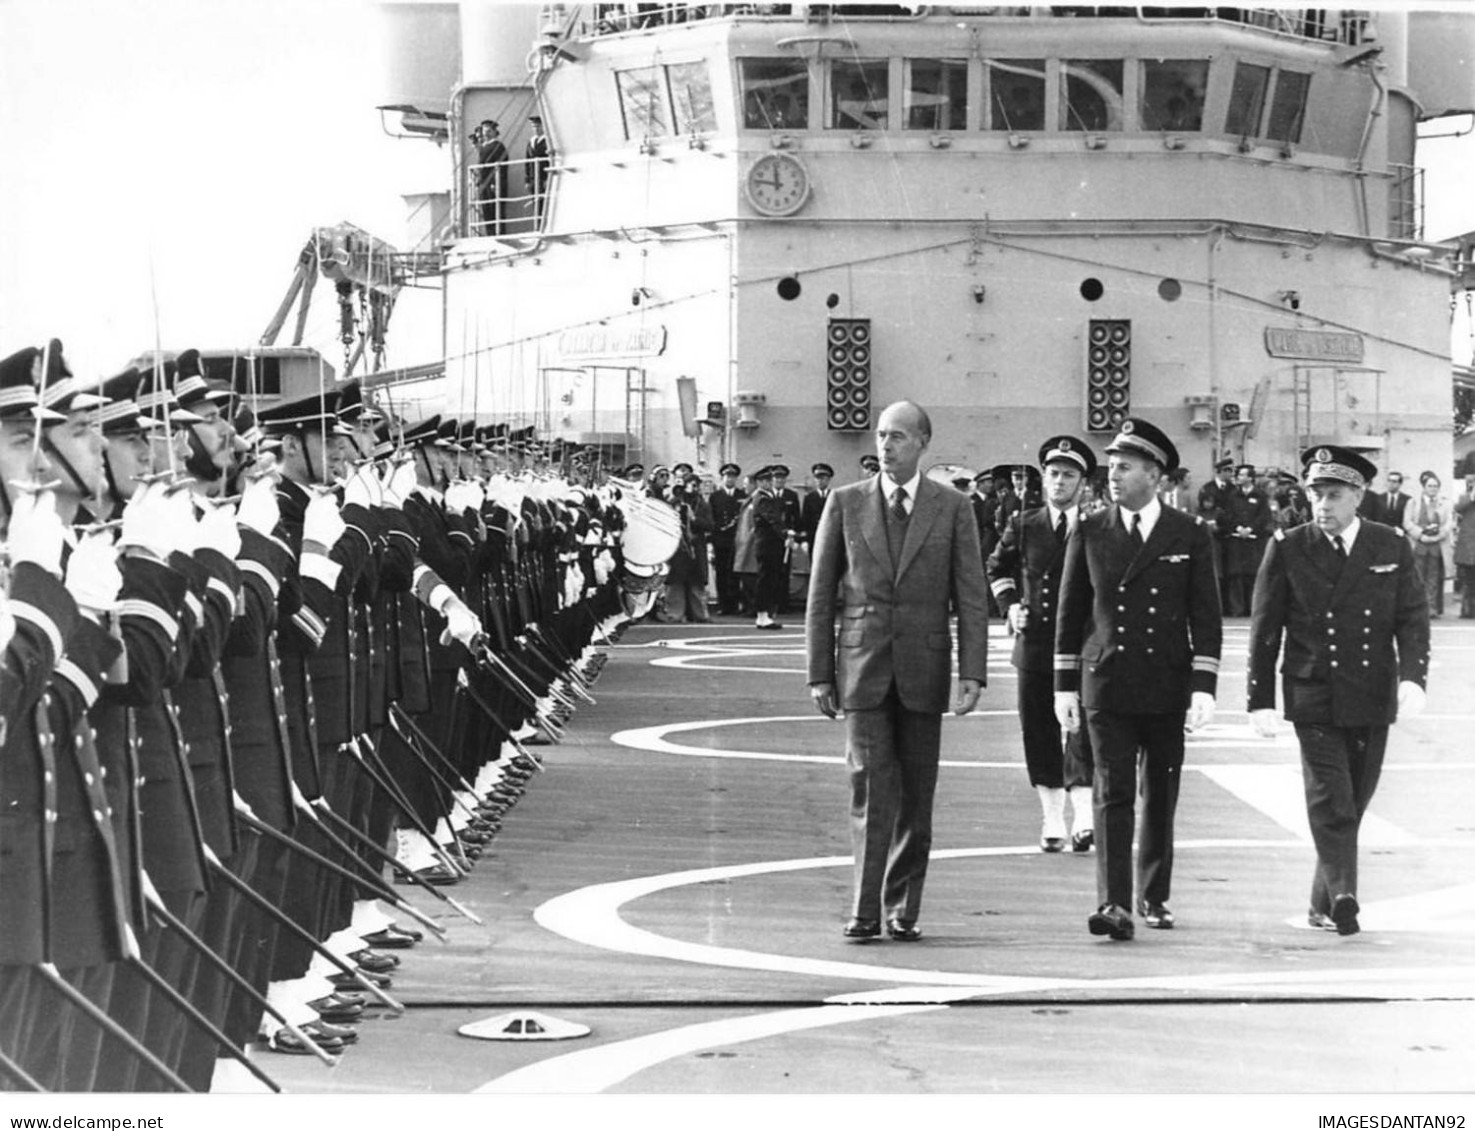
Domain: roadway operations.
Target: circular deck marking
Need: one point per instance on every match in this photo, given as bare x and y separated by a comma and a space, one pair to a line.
591, 916
656, 741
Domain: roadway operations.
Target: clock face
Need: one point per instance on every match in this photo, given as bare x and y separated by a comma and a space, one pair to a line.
777, 184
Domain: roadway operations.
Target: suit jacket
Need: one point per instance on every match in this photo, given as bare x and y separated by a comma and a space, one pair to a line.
1352, 630
1138, 630
1025, 568
893, 624
1394, 510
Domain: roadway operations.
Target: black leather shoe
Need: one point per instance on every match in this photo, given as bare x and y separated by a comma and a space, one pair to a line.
437, 874
1320, 920
1112, 919
321, 1031
390, 938
902, 930
371, 961
1156, 915
284, 1041
348, 981
1344, 914
1052, 844
337, 1009
862, 928
1083, 840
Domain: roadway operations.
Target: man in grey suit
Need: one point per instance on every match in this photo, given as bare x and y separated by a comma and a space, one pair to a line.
894, 555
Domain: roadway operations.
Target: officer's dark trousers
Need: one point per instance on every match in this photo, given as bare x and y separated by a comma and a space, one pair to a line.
1127, 747
1341, 767
1051, 763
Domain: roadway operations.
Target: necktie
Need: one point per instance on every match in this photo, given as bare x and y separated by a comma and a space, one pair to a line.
1341, 547
1060, 527
1137, 530
899, 505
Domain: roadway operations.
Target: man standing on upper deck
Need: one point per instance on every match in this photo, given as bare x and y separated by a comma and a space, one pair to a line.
1137, 645
893, 557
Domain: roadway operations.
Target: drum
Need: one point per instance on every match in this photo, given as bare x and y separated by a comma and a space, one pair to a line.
652, 531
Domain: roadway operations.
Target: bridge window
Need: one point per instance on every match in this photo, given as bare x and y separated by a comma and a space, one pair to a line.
644, 102
1091, 94
1247, 100
1288, 107
775, 94
1016, 94
1173, 94
691, 97
859, 94
936, 94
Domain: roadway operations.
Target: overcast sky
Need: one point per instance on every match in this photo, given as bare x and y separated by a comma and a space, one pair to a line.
201, 138
207, 138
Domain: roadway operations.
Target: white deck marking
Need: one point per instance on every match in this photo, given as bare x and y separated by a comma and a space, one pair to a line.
592, 916
593, 1070
1277, 791
654, 739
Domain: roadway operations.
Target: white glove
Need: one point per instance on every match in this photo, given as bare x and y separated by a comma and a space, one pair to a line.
1200, 710
399, 481
1263, 720
7, 622
363, 488
218, 530
259, 509
1411, 699
1018, 616
93, 577
146, 521
322, 523
1068, 710
465, 494
604, 565
462, 624
36, 532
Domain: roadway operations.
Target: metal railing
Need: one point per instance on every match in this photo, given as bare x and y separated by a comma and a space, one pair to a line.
506, 198
1406, 202
1344, 26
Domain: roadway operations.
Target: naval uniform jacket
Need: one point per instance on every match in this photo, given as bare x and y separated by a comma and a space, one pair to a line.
1353, 631
726, 505
90, 898
260, 743
1138, 631
1025, 568
137, 730
45, 617
1242, 555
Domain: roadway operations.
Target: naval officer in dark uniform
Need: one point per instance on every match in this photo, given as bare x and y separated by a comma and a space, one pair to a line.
1346, 596
1137, 644
1024, 575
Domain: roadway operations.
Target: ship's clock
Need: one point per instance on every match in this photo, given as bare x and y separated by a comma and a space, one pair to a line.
777, 184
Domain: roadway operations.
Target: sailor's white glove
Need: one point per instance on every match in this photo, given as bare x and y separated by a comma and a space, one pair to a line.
1068, 710
1200, 710
93, 577
1411, 699
1263, 721
36, 533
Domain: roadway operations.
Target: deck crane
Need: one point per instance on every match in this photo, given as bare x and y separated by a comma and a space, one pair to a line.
364, 274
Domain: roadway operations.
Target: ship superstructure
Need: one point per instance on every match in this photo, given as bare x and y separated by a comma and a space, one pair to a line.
761, 223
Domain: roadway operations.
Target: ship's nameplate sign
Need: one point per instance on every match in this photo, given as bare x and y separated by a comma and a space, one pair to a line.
612, 341
1313, 345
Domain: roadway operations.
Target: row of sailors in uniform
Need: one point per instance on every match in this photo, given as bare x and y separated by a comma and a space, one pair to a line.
218, 707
